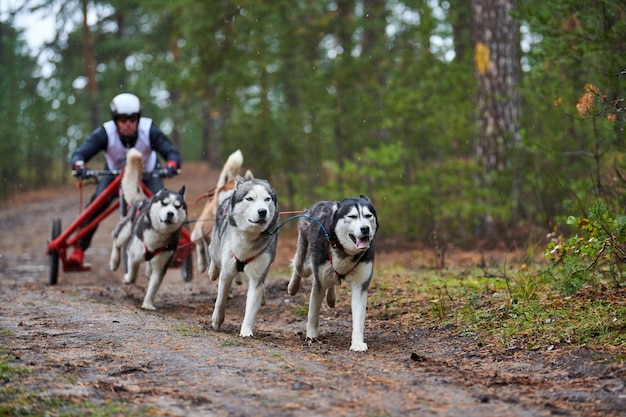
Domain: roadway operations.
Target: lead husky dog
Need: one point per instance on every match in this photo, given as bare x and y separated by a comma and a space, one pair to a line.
336, 243
151, 229
243, 242
225, 184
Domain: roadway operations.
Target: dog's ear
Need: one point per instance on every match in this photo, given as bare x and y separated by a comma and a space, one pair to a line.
364, 197
182, 191
238, 180
334, 210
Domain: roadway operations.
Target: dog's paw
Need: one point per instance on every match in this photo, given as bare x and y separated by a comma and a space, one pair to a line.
331, 297
148, 306
358, 347
128, 279
246, 333
312, 334
213, 272
114, 261
293, 287
312, 342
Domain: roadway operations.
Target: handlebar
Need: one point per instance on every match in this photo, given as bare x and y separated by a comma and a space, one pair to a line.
96, 174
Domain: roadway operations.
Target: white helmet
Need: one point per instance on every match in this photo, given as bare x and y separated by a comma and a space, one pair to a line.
127, 104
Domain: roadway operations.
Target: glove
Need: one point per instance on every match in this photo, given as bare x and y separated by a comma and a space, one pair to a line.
79, 168
172, 168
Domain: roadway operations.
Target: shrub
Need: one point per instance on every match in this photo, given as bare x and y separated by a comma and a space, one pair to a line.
595, 254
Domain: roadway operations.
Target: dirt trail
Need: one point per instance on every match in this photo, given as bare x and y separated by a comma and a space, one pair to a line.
87, 339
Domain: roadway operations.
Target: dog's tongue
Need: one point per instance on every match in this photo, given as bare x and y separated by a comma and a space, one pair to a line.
362, 243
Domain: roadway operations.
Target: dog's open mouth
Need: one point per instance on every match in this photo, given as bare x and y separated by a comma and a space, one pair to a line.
259, 221
360, 242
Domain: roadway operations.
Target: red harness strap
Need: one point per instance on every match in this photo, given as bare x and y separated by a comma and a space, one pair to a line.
151, 254
241, 264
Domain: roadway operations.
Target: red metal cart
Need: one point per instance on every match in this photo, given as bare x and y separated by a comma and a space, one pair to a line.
61, 240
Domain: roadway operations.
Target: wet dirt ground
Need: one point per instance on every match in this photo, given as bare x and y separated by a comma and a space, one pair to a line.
87, 339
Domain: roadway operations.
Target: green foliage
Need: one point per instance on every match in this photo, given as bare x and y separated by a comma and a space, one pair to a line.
596, 254
415, 204
513, 309
25, 150
524, 286
300, 311
328, 99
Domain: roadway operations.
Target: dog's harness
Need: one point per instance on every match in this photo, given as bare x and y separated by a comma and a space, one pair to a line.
148, 255
329, 244
330, 259
242, 264
151, 254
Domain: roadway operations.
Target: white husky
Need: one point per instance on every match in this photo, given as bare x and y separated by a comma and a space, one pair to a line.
336, 243
226, 182
151, 229
243, 243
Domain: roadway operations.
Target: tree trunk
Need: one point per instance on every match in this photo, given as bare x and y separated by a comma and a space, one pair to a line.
496, 58
212, 150
89, 59
461, 21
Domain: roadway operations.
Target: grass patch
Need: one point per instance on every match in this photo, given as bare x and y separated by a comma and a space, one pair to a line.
514, 308
300, 311
231, 343
187, 331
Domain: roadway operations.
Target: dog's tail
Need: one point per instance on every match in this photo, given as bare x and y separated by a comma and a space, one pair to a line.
202, 230
231, 168
131, 179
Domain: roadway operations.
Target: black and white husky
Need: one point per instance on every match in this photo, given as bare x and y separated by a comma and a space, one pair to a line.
243, 243
151, 230
335, 244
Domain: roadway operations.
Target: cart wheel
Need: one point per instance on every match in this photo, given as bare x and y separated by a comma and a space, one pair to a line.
53, 255
186, 268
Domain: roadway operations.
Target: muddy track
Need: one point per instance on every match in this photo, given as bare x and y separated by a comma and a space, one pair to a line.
87, 339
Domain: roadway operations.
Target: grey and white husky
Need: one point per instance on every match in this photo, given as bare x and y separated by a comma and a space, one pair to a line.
336, 243
150, 230
243, 244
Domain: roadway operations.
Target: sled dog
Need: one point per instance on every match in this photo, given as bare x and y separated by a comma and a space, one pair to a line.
225, 184
243, 244
336, 242
150, 230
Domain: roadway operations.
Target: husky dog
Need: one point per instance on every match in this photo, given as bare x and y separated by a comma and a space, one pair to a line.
336, 243
151, 229
225, 184
243, 242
